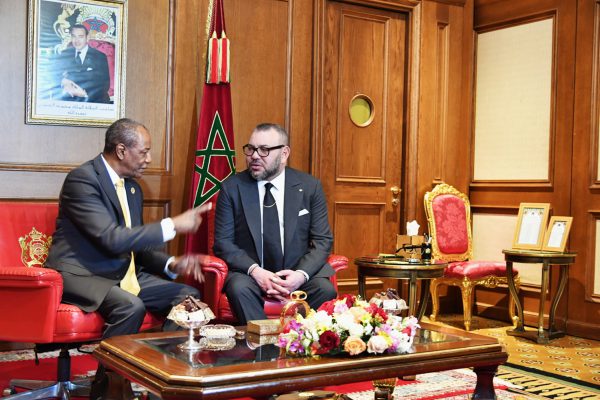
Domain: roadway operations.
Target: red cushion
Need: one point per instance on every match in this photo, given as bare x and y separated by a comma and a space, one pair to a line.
476, 269
451, 230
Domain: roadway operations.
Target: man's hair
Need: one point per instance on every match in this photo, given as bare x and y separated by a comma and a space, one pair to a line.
124, 131
79, 26
278, 128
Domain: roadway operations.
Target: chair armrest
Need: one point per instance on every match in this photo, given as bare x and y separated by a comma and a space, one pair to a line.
338, 263
215, 271
29, 300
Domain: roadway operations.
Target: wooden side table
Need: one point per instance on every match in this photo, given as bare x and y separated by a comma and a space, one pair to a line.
547, 259
396, 268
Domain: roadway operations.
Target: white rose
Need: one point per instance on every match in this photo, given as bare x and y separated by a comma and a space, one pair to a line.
377, 344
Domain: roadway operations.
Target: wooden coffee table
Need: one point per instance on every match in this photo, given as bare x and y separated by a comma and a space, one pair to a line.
154, 361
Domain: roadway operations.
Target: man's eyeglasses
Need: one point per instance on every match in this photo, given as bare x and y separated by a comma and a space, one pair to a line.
262, 151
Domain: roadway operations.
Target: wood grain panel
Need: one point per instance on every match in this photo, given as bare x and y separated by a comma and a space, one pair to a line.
353, 242
259, 33
148, 88
362, 62
444, 119
441, 103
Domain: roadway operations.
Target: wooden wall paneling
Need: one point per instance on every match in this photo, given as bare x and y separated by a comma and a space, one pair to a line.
445, 92
556, 190
583, 304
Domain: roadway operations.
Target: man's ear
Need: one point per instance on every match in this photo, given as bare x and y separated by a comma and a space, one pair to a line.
120, 150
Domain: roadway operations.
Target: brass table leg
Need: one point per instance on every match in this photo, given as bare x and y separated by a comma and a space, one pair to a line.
562, 283
412, 294
515, 295
384, 388
542, 338
425, 283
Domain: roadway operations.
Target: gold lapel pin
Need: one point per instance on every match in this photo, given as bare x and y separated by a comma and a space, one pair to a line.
299, 190
132, 190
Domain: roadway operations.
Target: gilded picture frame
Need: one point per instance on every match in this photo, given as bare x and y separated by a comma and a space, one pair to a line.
557, 234
76, 51
531, 226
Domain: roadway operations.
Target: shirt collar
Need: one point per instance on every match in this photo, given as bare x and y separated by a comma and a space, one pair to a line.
114, 177
82, 52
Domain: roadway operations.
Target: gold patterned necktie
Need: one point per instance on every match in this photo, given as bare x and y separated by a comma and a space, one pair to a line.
129, 282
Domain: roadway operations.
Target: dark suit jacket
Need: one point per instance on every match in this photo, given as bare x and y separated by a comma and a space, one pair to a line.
307, 237
92, 75
91, 246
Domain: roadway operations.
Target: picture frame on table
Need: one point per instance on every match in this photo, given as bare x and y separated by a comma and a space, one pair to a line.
76, 52
557, 234
531, 226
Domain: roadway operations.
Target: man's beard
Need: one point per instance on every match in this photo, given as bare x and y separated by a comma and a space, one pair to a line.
270, 171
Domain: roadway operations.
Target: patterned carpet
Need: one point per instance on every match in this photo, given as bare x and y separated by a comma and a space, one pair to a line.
568, 356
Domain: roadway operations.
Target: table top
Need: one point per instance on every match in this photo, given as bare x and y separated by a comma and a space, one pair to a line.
392, 261
153, 360
537, 256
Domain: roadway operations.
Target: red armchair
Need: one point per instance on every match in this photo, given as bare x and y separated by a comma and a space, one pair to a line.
215, 271
449, 217
30, 298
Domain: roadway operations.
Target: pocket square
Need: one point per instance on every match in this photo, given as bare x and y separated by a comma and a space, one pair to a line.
302, 212
89, 69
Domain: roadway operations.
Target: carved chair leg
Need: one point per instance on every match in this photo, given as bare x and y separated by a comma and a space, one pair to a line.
466, 291
435, 301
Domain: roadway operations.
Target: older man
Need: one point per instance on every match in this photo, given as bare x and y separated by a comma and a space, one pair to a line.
105, 253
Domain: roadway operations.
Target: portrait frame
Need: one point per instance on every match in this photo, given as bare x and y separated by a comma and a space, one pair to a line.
531, 226
63, 86
557, 234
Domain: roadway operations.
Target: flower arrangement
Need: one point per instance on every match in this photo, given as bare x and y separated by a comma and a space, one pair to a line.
347, 324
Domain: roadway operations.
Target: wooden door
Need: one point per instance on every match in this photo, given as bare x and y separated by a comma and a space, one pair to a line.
362, 56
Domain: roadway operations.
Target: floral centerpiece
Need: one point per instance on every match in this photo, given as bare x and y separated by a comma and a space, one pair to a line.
347, 324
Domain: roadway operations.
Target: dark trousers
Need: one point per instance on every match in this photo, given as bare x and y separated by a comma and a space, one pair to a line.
124, 312
247, 302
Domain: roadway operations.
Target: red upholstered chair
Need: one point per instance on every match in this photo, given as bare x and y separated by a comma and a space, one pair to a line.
215, 271
30, 298
449, 217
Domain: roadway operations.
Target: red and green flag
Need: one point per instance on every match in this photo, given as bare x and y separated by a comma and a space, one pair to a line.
215, 152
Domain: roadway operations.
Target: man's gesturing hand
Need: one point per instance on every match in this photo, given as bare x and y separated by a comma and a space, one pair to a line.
188, 264
190, 220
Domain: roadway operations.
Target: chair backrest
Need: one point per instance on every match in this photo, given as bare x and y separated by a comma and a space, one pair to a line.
25, 232
449, 217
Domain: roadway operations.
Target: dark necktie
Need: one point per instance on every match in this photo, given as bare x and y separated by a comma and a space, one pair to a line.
78, 58
272, 254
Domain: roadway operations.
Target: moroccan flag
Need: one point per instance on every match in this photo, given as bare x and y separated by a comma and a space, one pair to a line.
215, 152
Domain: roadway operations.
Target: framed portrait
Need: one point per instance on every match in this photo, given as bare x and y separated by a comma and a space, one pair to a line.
557, 234
76, 62
531, 226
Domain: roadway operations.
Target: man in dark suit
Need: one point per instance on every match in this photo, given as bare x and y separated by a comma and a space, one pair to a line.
85, 75
243, 239
98, 240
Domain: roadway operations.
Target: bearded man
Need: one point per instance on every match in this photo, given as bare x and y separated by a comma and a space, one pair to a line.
272, 229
